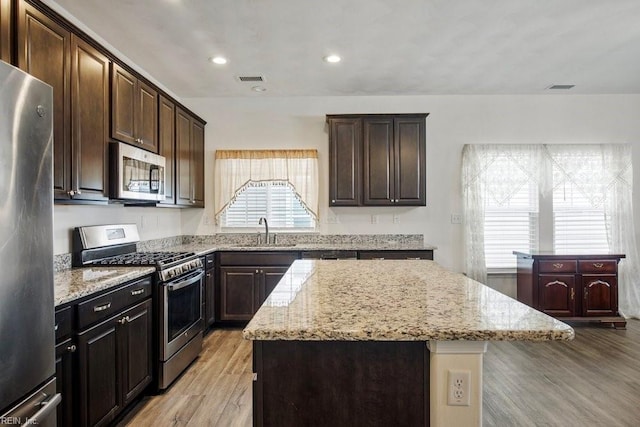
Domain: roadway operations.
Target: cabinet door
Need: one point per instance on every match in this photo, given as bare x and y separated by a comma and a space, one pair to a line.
210, 302
239, 293
556, 294
44, 51
409, 161
197, 162
136, 343
146, 124
345, 147
378, 161
64, 381
123, 101
5, 30
167, 145
99, 391
599, 295
183, 158
270, 278
90, 121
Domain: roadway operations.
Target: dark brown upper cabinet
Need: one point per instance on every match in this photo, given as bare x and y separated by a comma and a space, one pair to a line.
377, 160
345, 148
89, 121
79, 75
44, 51
167, 145
134, 110
189, 160
5, 30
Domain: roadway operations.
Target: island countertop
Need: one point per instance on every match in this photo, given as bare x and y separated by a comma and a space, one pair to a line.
393, 300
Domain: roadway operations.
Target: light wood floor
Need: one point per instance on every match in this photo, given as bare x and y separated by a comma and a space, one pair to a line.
591, 381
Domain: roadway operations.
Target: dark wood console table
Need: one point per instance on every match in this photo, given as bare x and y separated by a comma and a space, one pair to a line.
573, 288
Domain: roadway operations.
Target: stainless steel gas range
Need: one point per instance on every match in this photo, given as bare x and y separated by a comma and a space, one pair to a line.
178, 290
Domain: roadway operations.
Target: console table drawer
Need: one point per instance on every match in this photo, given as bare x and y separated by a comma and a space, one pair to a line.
598, 266
560, 266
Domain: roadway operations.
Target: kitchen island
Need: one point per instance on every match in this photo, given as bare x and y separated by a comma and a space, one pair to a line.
372, 342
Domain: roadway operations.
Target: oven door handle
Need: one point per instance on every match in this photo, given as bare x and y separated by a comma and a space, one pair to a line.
171, 286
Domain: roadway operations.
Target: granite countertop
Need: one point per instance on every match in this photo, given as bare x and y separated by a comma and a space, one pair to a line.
201, 249
76, 283
387, 300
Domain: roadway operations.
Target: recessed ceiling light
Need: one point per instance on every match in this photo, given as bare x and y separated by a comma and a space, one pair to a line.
259, 89
220, 60
332, 59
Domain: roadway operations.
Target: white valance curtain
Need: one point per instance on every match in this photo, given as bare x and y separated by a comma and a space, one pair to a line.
235, 170
601, 172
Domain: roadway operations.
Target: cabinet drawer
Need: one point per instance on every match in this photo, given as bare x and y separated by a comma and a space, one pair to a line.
63, 323
258, 258
208, 262
598, 266
557, 266
329, 254
396, 254
105, 305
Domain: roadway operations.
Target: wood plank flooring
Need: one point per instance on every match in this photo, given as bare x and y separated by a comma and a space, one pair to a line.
591, 381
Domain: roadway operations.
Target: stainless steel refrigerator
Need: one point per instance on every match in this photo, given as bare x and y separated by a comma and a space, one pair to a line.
27, 365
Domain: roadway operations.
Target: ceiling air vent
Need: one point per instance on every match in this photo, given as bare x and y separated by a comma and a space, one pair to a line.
251, 79
561, 87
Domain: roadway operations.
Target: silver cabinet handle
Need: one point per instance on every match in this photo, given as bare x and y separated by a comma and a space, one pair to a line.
72, 348
71, 193
598, 264
257, 271
55, 328
137, 292
333, 201
123, 320
78, 192
102, 307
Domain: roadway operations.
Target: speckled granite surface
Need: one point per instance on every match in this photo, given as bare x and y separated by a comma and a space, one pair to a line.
75, 283
393, 301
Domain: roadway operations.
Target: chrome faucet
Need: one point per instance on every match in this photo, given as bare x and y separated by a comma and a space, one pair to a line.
261, 221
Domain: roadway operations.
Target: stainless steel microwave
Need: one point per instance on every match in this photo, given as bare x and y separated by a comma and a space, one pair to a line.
136, 174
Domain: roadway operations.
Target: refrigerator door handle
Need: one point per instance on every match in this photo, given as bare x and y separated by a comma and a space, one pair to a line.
47, 407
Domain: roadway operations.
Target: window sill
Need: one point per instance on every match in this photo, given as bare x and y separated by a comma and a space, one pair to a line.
501, 271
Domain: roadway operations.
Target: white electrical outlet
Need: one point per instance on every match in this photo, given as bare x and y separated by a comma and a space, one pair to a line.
374, 219
456, 219
459, 388
396, 219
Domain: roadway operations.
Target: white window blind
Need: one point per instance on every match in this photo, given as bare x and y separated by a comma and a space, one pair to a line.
578, 227
512, 226
273, 200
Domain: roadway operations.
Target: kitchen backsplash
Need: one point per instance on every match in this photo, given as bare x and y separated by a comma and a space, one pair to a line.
63, 261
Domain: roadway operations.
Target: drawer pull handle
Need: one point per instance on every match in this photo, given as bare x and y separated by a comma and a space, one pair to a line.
598, 264
573, 294
556, 282
103, 307
558, 265
56, 327
137, 292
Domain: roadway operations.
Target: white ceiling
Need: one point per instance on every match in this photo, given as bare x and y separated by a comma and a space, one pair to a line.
389, 47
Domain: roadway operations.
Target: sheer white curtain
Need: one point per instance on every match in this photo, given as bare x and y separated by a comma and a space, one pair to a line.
493, 173
236, 169
603, 173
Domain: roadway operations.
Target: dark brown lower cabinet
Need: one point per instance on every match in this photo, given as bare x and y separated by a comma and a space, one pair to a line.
340, 383
571, 287
64, 380
244, 289
209, 292
115, 364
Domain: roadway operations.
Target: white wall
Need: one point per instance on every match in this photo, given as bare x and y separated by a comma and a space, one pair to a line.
299, 122
152, 223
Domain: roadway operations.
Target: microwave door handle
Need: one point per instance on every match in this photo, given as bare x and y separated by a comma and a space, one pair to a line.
179, 285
